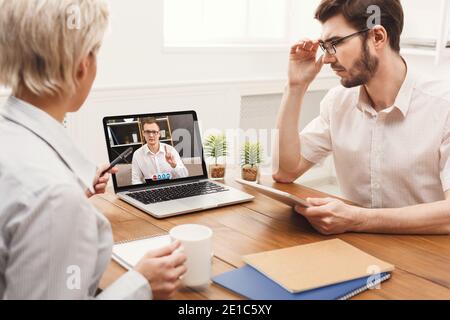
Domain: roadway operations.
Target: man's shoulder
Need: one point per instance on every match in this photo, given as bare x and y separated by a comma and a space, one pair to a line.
433, 88
139, 151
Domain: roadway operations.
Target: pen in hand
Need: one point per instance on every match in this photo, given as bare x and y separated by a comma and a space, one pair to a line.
119, 159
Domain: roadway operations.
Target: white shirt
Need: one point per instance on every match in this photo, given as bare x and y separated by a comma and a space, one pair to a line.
54, 244
395, 158
145, 164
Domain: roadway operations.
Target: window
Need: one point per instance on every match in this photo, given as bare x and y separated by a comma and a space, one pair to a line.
226, 22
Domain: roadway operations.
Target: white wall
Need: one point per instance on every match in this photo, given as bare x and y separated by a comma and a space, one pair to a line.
133, 53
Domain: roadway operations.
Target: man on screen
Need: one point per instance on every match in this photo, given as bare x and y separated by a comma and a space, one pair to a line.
155, 158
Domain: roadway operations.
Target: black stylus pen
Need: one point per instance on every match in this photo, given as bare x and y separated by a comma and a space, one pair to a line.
119, 159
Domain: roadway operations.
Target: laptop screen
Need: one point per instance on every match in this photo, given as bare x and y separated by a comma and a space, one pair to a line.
161, 148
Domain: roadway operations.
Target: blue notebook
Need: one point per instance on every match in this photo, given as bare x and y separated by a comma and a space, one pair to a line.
252, 284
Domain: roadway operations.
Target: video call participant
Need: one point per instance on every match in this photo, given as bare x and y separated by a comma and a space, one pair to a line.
387, 127
155, 157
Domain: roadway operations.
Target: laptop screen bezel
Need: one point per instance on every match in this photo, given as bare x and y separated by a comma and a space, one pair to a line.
112, 156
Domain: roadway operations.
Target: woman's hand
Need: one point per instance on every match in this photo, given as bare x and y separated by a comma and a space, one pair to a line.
100, 182
163, 269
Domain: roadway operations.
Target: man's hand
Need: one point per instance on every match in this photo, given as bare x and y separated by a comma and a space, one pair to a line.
303, 66
163, 269
331, 216
170, 159
100, 182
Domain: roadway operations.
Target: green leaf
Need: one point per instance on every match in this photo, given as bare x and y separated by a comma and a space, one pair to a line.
216, 146
251, 154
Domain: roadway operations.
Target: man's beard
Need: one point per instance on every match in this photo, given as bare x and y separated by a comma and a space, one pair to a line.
363, 70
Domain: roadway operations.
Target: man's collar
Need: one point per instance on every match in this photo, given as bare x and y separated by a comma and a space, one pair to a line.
53, 133
402, 101
161, 149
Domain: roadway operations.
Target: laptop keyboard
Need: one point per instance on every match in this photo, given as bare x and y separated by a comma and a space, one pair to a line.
176, 192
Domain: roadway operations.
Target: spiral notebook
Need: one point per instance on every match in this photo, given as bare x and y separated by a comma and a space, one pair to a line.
252, 284
128, 253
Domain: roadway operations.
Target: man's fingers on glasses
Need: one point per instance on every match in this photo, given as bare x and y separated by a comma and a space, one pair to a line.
300, 43
296, 48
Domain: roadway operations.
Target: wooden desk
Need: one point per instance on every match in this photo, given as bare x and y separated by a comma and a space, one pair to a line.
422, 262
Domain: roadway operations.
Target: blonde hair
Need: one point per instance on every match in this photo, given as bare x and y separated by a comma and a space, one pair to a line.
42, 42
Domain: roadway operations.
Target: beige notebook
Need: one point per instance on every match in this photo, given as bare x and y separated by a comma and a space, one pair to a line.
316, 265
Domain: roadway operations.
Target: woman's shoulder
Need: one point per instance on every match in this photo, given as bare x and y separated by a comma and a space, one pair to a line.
30, 166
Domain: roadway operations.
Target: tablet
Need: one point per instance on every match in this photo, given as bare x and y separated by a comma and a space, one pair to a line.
281, 196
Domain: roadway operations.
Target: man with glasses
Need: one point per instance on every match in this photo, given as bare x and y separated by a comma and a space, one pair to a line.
387, 128
155, 160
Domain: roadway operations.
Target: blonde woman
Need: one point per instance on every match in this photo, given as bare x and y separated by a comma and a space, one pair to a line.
53, 243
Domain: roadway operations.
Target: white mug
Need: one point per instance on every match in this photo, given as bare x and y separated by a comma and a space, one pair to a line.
196, 241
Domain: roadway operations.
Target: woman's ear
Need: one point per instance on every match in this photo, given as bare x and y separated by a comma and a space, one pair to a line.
83, 68
379, 37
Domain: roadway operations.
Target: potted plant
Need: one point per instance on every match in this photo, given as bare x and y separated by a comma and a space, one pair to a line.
216, 147
250, 160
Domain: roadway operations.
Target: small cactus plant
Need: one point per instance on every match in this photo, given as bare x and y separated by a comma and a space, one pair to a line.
251, 158
216, 147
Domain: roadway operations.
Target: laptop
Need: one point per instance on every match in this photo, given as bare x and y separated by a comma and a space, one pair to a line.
162, 170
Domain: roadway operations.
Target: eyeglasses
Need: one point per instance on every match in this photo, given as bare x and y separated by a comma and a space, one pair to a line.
330, 46
151, 132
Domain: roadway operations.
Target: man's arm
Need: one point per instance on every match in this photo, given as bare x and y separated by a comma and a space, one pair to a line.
430, 218
332, 216
288, 164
